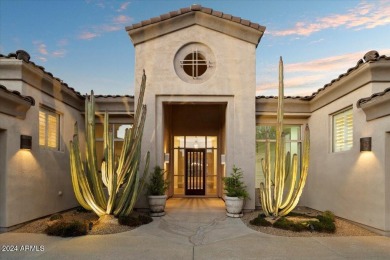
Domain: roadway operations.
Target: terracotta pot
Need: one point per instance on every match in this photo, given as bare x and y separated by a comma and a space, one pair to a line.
157, 205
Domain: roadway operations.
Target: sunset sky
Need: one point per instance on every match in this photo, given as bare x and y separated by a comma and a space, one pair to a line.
84, 42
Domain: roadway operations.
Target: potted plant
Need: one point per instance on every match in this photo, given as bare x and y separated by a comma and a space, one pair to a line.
156, 192
235, 193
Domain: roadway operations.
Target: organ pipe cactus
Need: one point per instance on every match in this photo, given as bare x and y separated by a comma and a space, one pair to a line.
286, 193
121, 177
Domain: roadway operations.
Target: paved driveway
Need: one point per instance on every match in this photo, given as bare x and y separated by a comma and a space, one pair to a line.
195, 229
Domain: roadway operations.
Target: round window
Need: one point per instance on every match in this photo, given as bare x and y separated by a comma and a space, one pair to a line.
194, 63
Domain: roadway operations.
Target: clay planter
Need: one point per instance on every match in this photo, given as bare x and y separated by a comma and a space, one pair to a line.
157, 205
234, 206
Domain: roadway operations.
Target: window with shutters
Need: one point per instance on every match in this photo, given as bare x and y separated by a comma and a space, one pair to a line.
342, 130
49, 129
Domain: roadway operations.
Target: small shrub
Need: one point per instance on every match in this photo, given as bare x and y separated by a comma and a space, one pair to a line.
134, 221
67, 229
260, 221
233, 184
56, 217
284, 223
157, 185
325, 224
145, 219
329, 214
295, 214
80, 209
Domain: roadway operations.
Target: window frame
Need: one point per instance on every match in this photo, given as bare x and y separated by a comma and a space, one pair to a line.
298, 141
49, 112
344, 113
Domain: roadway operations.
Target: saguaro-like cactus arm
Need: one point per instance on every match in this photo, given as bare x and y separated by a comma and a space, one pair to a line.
122, 177
285, 176
302, 180
91, 158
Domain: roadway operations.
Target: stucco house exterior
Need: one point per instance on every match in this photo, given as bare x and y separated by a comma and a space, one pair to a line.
203, 118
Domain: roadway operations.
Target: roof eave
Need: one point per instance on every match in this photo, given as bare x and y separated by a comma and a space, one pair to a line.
234, 29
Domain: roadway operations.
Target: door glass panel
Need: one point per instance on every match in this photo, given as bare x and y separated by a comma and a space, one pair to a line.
195, 142
178, 142
212, 142
211, 172
178, 169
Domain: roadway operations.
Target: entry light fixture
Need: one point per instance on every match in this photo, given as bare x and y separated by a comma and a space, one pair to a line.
166, 157
25, 142
365, 144
223, 159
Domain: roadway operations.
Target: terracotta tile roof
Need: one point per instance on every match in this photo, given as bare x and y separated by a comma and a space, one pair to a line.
196, 8
111, 96
18, 95
305, 98
23, 55
369, 57
373, 96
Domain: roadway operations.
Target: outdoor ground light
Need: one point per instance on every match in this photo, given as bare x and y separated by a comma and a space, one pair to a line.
365, 144
25, 142
166, 157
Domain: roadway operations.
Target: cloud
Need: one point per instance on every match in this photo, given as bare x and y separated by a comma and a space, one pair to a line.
303, 78
62, 42
59, 53
43, 53
122, 19
42, 49
88, 35
363, 16
116, 24
43, 59
123, 6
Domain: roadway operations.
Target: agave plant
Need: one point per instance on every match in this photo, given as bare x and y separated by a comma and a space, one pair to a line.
121, 177
288, 187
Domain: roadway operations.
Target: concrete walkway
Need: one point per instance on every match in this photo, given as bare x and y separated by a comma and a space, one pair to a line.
196, 229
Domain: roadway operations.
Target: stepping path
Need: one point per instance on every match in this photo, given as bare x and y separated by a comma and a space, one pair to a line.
196, 229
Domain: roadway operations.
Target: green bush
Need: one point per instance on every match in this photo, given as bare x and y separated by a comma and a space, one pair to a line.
233, 184
284, 223
325, 223
134, 221
145, 219
157, 185
329, 214
80, 209
260, 221
56, 216
67, 229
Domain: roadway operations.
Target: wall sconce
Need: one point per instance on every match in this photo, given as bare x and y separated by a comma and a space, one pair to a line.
166, 157
365, 144
25, 142
223, 159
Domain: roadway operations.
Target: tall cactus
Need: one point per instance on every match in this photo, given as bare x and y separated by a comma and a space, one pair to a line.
122, 177
276, 202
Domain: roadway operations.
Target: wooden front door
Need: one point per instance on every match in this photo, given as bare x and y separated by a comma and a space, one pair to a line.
195, 172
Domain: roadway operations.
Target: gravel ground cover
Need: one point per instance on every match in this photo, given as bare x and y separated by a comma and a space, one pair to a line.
39, 226
343, 227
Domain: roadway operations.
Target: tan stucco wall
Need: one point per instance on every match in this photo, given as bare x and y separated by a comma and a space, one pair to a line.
352, 184
233, 82
33, 179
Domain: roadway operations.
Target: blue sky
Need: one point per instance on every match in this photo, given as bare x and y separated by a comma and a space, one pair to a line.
84, 42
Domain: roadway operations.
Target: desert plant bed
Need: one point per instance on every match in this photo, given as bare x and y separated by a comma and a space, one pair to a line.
82, 216
306, 216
